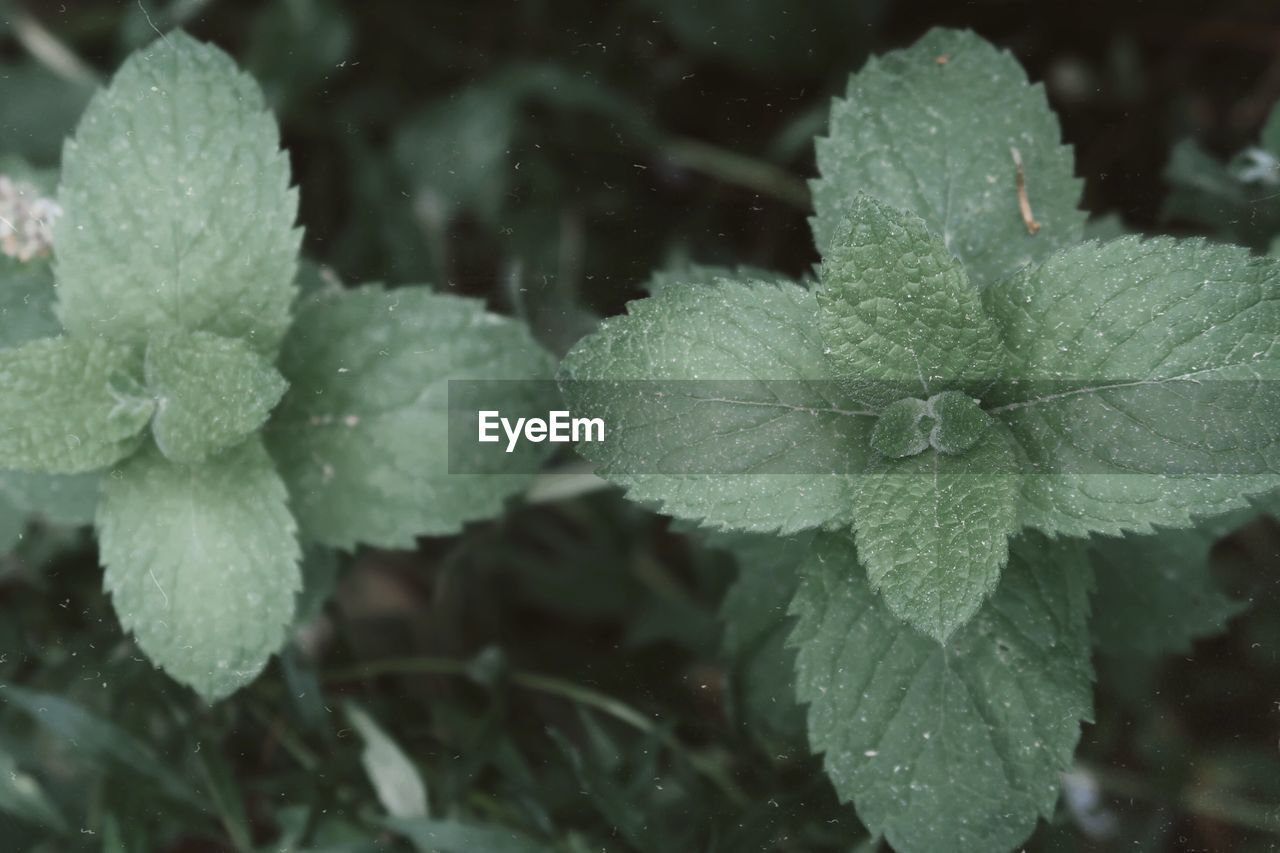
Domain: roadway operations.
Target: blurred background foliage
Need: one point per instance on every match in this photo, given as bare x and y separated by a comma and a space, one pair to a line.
580, 676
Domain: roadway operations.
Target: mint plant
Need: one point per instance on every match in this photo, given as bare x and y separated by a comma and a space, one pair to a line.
967, 392
1236, 200
233, 419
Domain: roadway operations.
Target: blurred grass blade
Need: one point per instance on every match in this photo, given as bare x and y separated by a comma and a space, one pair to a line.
23, 797
452, 836
397, 782
96, 737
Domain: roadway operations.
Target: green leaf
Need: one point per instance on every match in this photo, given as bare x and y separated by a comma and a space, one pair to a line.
457, 154
932, 129
933, 530
361, 437
698, 275
201, 563
1207, 192
56, 499
897, 312
1269, 137
69, 405
13, 521
59, 499
954, 747
397, 782
1157, 593
92, 737
1146, 390
178, 212
454, 836
756, 625
26, 314
26, 302
210, 392
320, 568
764, 415
22, 796
765, 38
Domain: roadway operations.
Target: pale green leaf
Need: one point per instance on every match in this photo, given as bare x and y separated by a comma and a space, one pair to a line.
26, 302
23, 797
13, 521
1157, 593
430, 835
362, 435
756, 625
56, 498
722, 407
698, 275
26, 314
1236, 200
320, 567
201, 563
210, 392
955, 747
931, 129
68, 405
1269, 138
1147, 389
456, 154
178, 211
898, 315
933, 530
396, 781
97, 739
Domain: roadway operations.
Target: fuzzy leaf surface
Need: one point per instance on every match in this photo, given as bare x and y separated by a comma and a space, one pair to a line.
898, 315
930, 129
26, 302
201, 563
1146, 390
68, 406
756, 626
361, 436
933, 530
947, 748
211, 392
26, 314
178, 211
1157, 593
757, 405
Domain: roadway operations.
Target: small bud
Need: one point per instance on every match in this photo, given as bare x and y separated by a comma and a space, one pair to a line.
26, 220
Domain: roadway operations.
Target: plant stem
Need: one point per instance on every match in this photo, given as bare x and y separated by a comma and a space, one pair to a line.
49, 51
286, 738
734, 168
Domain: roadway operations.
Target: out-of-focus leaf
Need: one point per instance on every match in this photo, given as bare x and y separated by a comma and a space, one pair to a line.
456, 836
756, 625
37, 111
397, 782
319, 568
772, 37
23, 797
227, 798
296, 46
1157, 593
456, 155
95, 737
